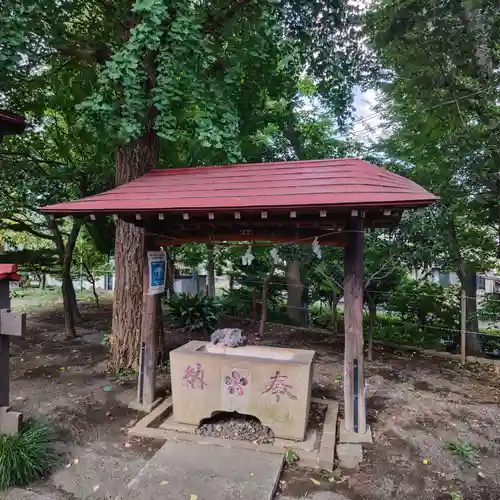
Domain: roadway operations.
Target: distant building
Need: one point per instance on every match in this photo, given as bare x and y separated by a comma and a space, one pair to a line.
487, 283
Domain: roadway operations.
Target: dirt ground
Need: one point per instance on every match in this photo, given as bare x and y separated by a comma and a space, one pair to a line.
417, 407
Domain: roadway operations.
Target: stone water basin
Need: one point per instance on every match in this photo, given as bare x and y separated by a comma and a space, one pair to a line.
272, 384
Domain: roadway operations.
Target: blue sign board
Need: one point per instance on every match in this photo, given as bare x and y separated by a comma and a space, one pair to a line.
157, 262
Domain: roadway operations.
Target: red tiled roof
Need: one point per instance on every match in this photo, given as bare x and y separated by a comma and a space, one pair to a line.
318, 183
9, 271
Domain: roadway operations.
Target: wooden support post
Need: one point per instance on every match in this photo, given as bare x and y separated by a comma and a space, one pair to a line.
4, 348
463, 325
354, 382
146, 390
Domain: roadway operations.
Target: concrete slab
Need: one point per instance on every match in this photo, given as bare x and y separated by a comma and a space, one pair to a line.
179, 470
319, 495
346, 436
21, 494
98, 474
350, 455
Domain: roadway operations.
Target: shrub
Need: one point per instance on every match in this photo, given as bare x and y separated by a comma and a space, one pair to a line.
238, 302
27, 456
194, 312
323, 318
426, 304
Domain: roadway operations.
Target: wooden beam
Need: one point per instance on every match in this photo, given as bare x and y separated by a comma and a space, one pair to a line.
354, 382
336, 240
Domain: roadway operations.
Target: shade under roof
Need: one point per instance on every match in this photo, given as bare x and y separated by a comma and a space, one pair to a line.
346, 182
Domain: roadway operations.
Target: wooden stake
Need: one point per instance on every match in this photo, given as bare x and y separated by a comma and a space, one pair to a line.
354, 397
463, 324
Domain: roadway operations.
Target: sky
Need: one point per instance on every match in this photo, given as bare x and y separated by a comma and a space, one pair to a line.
364, 119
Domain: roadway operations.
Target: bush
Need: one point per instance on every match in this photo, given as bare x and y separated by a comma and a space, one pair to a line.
426, 304
194, 312
26, 457
323, 318
238, 302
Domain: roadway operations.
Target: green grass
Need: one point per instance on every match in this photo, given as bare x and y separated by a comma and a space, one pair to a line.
26, 457
464, 450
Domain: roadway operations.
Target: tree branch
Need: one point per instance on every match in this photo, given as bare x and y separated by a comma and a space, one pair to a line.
20, 226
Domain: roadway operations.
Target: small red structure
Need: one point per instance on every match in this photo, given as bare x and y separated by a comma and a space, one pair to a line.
9, 271
331, 201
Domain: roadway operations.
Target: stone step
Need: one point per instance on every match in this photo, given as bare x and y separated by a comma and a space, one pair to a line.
187, 471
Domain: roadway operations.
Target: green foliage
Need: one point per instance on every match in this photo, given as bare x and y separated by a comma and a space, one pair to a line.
323, 317
463, 449
440, 103
396, 331
426, 304
291, 456
194, 312
238, 302
26, 457
490, 308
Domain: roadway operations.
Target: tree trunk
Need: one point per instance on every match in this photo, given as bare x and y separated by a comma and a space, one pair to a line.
43, 281
91, 278
74, 303
372, 317
294, 286
210, 271
132, 161
68, 304
469, 283
65, 251
265, 286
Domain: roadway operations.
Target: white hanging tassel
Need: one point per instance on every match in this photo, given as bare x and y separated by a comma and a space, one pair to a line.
316, 248
248, 257
275, 256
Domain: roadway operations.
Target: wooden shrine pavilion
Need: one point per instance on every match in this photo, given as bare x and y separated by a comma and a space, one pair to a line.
331, 201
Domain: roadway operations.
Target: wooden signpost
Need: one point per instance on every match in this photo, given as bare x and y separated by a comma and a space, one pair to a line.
11, 325
155, 268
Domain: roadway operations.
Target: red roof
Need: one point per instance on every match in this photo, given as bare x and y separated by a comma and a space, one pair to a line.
9, 271
346, 182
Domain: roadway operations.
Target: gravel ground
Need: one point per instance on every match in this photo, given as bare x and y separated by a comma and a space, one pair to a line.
419, 408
